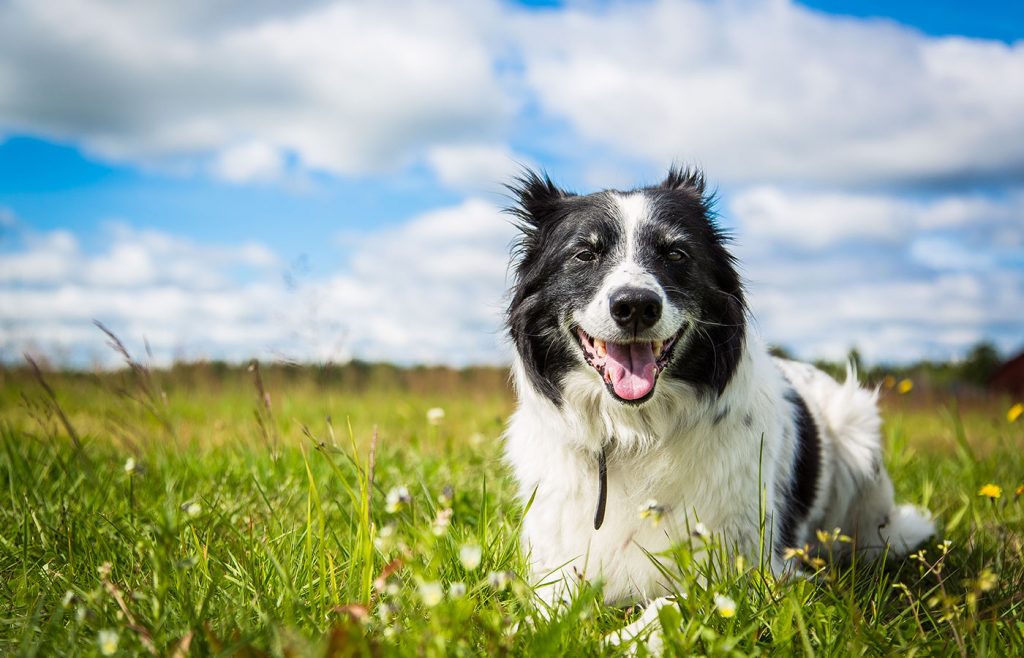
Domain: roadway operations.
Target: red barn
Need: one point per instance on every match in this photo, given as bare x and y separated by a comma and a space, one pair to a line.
1009, 378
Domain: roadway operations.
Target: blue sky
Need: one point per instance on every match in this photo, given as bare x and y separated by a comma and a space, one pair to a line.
229, 179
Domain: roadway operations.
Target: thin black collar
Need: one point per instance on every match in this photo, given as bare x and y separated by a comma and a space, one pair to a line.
602, 488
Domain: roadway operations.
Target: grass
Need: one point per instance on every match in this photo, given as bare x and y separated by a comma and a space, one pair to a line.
320, 513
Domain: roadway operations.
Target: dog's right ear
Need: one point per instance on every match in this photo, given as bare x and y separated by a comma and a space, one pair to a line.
537, 200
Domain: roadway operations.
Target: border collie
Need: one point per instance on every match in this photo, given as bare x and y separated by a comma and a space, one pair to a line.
640, 383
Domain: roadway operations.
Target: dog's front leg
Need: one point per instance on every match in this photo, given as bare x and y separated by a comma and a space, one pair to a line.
646, 630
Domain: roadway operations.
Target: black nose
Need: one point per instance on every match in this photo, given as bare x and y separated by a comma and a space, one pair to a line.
635, 308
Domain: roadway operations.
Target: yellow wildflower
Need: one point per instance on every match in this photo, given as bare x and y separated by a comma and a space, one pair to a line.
991, 491
905, 386
791, 553
1015, 412
651, 510
986, 580
1020, 491
889, 382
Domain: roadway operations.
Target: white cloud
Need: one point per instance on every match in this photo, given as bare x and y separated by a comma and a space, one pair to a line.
429, 290
475, 167
822, 219
759, 91
756, 91
899, 279
250, 162
348, 87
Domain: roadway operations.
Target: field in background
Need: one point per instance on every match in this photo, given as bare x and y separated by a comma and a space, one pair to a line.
320, 512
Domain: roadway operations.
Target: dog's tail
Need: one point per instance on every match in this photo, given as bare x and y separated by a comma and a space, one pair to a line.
852, 419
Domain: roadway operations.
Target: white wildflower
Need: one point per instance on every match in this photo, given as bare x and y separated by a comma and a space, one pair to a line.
725, 605
431, 593
457, 589
108, 639
500, 580
397, 498
471, 555
435, 415
192, 508
441, 521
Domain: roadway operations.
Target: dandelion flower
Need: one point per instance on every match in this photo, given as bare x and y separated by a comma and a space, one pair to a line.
108, 639
397, 498
431, 593
1020, 491
1015, 412
905, 386
725, 605
471, 556
435, 415
991, 491
889, 381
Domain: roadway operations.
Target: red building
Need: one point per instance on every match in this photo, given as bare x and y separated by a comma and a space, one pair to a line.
1009, 378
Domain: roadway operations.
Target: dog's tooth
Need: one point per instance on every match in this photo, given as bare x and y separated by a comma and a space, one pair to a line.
602, 348
657, 345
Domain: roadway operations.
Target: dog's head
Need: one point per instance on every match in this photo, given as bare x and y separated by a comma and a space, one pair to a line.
631, 287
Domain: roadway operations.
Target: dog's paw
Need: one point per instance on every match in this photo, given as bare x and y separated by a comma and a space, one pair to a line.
644, 631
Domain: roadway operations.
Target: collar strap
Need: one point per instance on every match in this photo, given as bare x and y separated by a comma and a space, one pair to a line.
602, 488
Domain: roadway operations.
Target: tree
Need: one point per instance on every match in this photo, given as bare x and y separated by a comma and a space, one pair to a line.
980, 363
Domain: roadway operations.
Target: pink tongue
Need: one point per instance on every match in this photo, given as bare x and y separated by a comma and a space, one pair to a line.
631, 368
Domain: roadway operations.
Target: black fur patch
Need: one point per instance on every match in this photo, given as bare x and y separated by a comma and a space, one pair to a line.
803, 487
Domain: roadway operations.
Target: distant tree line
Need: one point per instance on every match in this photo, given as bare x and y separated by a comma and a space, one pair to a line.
972, 371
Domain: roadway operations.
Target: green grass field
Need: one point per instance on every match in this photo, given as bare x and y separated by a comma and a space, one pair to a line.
186, 512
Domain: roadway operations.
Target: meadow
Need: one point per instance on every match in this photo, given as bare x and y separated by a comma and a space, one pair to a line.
364, 511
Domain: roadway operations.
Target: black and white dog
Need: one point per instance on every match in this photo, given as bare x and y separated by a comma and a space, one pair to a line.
640, 385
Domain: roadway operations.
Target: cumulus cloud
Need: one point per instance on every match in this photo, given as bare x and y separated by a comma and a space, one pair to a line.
476, 167
756, 91
899, 279
427, 291
822, 219
772, 91
345, 87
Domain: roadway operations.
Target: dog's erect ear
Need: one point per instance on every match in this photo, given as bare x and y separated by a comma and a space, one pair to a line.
536, 198
685, 178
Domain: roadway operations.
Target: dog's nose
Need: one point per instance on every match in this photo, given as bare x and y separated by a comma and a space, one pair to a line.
635, 308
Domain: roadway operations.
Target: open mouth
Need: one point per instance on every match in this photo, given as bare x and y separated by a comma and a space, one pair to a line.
629, 370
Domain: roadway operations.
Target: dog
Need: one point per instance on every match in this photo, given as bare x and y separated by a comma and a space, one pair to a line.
641, 387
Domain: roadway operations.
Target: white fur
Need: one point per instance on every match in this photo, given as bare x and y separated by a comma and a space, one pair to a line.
671, 450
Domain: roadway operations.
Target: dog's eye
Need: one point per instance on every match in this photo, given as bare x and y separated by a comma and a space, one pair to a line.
586, 255
675, 255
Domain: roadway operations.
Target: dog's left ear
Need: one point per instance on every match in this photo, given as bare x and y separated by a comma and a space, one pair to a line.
685, 178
